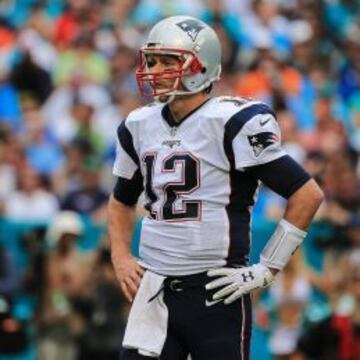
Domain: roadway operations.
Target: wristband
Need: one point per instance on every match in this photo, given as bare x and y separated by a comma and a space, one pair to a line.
282, 245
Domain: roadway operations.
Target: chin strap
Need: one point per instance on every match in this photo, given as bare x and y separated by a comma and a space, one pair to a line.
164, 99
167, 99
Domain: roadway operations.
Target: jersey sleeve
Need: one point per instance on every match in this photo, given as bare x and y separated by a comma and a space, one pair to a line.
128, 191
283, 175
253, 137
126, 160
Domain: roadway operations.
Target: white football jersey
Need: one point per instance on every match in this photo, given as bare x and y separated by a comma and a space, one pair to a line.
197, 190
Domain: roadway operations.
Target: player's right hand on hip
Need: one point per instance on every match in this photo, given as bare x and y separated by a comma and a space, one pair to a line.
128, 273
236, 282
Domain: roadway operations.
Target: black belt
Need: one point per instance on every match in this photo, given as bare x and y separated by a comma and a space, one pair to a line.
181, 283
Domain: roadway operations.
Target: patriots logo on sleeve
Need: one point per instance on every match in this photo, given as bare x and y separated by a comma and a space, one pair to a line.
191, 27
259, 142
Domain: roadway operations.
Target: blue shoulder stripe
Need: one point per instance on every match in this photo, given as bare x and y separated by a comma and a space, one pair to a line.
237, 122
126, 142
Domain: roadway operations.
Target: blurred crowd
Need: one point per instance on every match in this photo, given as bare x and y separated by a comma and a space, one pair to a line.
67, 81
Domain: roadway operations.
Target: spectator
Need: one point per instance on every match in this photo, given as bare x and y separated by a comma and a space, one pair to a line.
68, 273
32, 194
291, 293
83, 118
103, 311
122, 67
348, 81
90, 199
266, 23
337, 336
78, 16
29, 78
81, 60
13, 338
9, 276
42, 151
12, 158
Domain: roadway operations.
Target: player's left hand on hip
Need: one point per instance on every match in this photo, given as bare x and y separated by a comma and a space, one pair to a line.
236, 282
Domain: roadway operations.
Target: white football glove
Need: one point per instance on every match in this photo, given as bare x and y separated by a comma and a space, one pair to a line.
239, 281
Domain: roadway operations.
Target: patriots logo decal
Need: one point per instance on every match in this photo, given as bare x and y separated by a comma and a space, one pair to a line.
261, 141
191, 27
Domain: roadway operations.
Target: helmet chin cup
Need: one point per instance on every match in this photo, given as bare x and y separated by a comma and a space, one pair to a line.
164, 99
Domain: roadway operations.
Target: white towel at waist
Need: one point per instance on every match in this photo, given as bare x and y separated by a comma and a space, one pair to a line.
146, 328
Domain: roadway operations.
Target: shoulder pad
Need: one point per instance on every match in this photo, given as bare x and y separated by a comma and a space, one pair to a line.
143, 112
226, 107
246, 116
235, 100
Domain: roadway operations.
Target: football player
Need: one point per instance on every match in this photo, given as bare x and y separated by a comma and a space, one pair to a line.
199, 161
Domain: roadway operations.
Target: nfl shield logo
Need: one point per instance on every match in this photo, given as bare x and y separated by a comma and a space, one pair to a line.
191, 27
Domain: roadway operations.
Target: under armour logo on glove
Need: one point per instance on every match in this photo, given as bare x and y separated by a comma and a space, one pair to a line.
248, 276
238, 282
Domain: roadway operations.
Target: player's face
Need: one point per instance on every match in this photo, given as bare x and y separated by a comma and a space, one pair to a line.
161, 72
163, 64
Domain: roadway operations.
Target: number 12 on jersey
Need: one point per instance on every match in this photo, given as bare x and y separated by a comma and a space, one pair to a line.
188, 182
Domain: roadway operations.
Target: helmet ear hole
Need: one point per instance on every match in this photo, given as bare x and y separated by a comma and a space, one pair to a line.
196, 66
203, 70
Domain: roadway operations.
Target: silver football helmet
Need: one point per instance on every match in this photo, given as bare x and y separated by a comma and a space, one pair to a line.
198, 49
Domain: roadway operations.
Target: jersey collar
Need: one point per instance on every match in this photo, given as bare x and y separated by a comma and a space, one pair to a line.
167, 116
